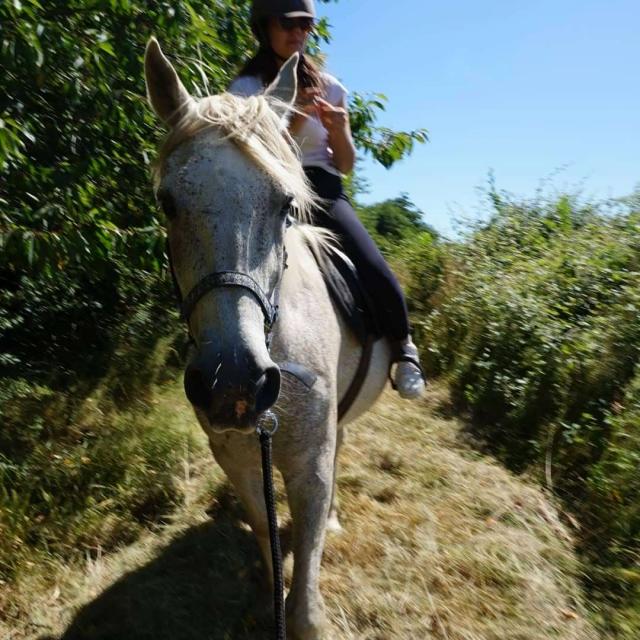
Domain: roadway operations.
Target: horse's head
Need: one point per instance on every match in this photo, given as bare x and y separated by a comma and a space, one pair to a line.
225, 179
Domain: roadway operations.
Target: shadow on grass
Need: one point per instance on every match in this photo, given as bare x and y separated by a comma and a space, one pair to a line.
206, 584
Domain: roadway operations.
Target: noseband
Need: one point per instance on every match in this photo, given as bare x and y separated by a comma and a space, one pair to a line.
229, 279
237, 279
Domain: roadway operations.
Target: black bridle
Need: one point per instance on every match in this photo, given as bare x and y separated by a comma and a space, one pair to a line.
221, 279
237, 279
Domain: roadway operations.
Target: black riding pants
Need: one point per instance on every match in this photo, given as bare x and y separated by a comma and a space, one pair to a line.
378, 280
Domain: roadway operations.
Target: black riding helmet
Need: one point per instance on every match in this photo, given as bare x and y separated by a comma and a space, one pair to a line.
263, 9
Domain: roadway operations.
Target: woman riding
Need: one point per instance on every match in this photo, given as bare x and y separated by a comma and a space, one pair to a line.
322, 131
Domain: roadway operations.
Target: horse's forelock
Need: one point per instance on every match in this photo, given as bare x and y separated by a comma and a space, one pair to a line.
255, 128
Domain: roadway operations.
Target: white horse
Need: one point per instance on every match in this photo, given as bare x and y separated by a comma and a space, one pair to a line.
226, 176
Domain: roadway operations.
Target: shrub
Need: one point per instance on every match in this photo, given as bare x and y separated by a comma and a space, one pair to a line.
537, 327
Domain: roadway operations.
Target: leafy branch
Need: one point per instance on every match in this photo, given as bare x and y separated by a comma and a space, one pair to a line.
385, 145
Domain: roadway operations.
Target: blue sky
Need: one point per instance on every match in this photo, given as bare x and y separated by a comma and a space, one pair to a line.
525, 89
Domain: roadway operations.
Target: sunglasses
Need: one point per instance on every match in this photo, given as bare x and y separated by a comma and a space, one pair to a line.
289, 24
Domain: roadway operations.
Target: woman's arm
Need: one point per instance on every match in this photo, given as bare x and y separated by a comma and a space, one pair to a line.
335, 120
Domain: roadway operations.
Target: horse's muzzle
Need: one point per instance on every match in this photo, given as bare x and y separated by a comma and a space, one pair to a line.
231, 396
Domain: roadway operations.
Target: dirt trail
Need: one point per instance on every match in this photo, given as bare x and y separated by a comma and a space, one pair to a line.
438, 542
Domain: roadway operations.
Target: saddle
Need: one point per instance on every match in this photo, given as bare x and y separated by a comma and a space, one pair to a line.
348, 294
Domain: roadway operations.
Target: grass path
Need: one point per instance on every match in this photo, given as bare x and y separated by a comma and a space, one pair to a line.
438, 543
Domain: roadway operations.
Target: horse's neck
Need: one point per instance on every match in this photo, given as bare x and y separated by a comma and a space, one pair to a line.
304, 293
306, 250
313, 334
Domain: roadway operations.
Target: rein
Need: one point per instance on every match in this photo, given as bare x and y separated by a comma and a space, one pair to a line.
267, 426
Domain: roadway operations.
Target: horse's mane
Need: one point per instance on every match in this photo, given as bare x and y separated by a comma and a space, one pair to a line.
256, 129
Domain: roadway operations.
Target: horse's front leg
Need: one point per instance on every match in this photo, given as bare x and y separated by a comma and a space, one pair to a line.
239, 457
309, 481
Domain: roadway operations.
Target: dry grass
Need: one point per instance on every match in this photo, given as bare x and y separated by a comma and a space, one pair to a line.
438, 543
441, 544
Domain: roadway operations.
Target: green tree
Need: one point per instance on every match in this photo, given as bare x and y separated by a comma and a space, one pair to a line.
393, 220
76, 135
383, 144
76, 142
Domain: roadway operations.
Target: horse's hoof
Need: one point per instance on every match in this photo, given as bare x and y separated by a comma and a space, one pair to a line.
305, 632
333, 524
306, 624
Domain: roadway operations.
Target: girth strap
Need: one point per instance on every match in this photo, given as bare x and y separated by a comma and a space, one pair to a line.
229, 279
358, 379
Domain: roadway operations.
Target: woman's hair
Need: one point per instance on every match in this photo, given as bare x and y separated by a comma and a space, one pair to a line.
264, 64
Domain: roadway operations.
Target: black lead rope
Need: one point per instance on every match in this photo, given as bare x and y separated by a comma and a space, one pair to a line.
267, 426
268, 421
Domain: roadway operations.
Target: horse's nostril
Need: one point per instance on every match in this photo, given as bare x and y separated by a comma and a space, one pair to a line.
231, 398
196, 387
267, 389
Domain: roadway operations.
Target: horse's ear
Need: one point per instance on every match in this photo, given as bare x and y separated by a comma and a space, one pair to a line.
281, 93
166, 93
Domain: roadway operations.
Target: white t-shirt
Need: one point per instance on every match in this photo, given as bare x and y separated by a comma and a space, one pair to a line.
312, 137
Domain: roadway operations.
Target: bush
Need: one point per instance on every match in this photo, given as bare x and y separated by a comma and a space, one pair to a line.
80, 464
80, 476
412, 248
537, 326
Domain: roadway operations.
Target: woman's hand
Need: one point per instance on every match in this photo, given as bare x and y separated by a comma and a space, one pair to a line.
334, 119
306, 100
305, 103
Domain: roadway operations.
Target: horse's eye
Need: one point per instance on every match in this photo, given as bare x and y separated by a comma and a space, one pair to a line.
286, 206
168, 204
